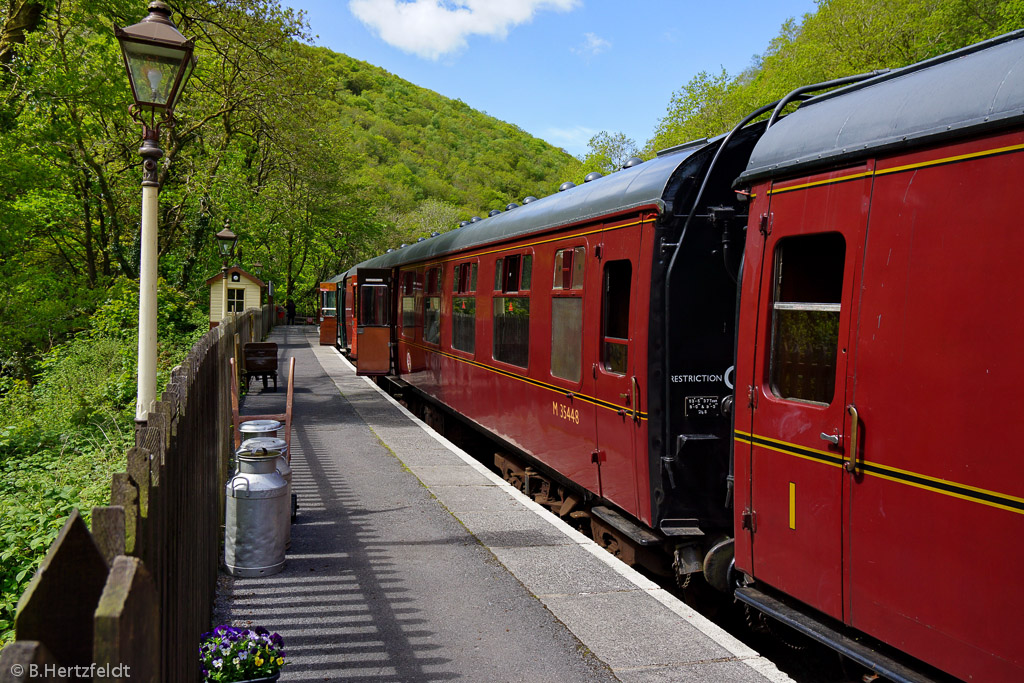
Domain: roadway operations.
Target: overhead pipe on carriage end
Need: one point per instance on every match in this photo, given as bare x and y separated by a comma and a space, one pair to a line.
801, 92
776, 109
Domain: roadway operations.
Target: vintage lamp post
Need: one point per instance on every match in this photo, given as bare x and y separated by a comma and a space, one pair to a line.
159, 61
226, 241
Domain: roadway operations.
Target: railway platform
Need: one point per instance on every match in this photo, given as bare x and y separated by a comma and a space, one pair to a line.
410, 561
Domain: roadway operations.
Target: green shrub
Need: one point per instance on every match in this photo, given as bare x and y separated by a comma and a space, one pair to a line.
63, 437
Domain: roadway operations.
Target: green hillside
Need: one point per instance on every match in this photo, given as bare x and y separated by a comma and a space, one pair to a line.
423, 149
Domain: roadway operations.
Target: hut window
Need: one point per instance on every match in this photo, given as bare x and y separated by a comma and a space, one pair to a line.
236, 300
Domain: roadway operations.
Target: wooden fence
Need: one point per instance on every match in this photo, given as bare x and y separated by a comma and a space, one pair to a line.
129, 600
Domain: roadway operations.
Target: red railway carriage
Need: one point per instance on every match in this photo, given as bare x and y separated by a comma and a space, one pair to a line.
548, 326
879, 366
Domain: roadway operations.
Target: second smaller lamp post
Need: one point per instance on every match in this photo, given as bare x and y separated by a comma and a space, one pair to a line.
226, 245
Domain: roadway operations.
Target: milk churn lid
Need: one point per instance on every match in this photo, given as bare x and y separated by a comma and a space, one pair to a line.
257, 426
258, 445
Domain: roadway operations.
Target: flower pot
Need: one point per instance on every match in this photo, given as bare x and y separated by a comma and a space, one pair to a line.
265, 679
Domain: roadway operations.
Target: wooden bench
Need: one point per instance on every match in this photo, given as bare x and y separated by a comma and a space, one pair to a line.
285, 417
259, 359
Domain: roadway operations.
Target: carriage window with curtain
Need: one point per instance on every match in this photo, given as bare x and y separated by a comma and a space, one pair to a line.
808, 291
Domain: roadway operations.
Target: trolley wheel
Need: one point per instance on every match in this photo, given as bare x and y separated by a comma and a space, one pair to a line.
295, 506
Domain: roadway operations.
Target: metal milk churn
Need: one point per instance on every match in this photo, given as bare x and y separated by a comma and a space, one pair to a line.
259, 428
276, 448
256, 517
254, 429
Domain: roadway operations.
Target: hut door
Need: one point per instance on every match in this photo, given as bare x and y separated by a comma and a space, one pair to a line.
813, 238
373, 327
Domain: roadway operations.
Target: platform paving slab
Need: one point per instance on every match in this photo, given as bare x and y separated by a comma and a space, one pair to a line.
413, 562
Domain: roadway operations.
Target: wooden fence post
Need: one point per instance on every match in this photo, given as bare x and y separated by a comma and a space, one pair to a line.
125, 494
108, 530
57, 608
28, 660
127, 626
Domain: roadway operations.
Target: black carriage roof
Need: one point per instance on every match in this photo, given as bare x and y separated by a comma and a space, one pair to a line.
956, 94
631, 188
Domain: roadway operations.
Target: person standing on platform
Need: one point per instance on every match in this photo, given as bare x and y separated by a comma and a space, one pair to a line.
290, 306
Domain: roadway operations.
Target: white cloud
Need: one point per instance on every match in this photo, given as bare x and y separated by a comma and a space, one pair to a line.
573, 140
434, 28
592, 46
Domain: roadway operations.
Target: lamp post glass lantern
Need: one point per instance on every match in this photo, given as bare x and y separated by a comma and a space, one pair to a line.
226, 241
158, 61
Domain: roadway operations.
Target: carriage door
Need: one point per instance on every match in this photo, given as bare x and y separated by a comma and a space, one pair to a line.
328, 313
813, 237
373, 324
615, 275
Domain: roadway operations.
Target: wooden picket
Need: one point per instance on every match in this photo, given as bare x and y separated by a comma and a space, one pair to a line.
129, 600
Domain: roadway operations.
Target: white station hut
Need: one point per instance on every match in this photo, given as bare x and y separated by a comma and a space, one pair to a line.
245, 290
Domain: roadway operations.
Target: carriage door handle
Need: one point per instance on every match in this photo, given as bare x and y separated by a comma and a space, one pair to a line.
851, 463
831, 438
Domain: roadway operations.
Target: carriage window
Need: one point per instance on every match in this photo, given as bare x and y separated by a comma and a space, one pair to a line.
510, 276
808, 289
464, 278
569, 268
513, 273
408, 304
512, 330
432, 307
373, 305
618, 276
464, 323
329, 303
464, 308
567, 337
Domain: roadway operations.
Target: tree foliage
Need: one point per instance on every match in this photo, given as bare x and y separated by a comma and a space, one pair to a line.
318, 161
840, 38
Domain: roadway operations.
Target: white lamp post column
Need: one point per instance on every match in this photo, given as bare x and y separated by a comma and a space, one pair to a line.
147, 278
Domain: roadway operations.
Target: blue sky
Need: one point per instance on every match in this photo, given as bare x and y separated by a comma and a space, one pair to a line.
562, 70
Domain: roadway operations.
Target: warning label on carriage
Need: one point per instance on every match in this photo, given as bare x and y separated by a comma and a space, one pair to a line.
698, 406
